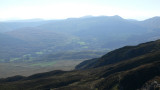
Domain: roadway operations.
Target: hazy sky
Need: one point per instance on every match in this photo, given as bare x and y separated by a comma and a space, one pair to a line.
60, 9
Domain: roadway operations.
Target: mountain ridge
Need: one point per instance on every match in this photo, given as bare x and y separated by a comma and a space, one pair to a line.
123, 53
129, 74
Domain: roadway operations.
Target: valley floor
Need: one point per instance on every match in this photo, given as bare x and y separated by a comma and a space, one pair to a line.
26, 69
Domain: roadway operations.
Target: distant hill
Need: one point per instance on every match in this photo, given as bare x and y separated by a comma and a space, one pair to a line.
101, 33
13, 25
105, 31
26, 20
128, 66
9, 46
48, 44
133, 68
39, 36
153, 22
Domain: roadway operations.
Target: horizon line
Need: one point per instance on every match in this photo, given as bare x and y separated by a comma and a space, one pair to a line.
86, 16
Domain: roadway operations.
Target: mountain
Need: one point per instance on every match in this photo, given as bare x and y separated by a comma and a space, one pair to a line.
106, 31
130, 72
46, 44
101, 33
9, 45
121, 54
32, 41
26, 20
13, 25
39, 36
153, 22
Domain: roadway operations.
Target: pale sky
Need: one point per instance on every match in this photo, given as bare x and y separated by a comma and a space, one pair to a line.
61, 9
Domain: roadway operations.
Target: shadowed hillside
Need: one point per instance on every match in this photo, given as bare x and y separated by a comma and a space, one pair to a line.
127, 73
122, 54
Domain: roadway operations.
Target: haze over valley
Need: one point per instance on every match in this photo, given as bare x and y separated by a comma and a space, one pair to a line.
49, 41
79, 45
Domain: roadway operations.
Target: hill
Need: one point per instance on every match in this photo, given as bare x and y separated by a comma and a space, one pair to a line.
9, 45
130, 72
151, 22
42, 43
78, 34
12, 25
105, 31
121, 54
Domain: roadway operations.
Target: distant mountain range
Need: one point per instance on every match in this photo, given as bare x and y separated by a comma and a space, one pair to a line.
102, 33
126, 68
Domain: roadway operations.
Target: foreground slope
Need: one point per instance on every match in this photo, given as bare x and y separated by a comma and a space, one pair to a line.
126, 73
121, 54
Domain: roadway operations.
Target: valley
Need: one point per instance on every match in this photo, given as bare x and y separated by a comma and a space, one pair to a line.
86, 53
128, 73
32, 39
28, 68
